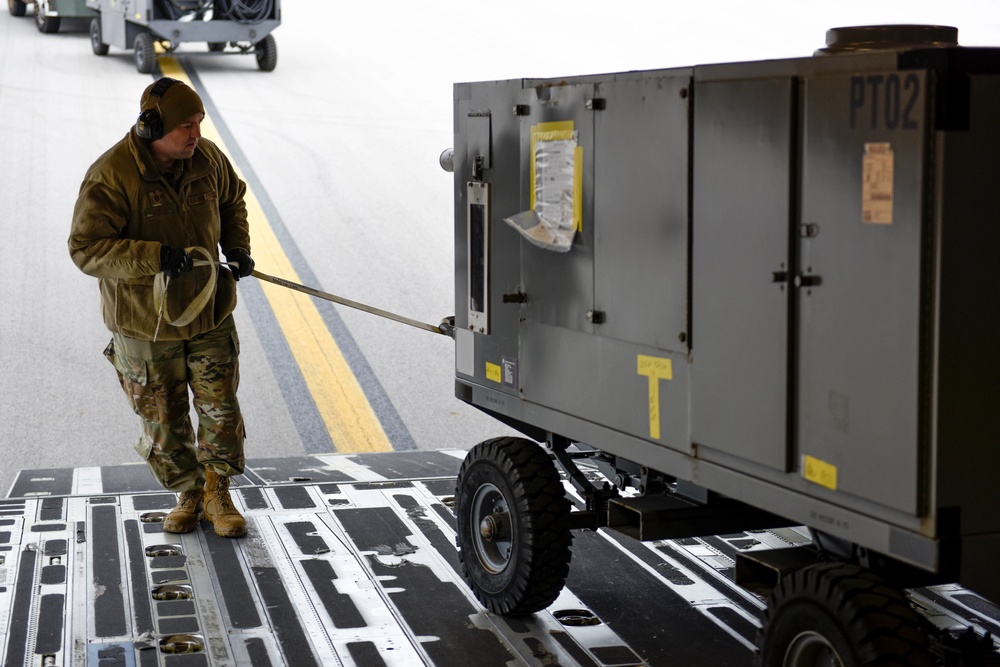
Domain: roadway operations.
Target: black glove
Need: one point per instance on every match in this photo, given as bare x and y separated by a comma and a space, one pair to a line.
174, 261
245, 261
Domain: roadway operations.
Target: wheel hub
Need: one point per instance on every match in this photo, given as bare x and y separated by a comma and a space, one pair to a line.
492, 526
494, 541
811, 649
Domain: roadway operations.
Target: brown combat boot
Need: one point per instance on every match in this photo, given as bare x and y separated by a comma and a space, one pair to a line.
183, 518
219, 507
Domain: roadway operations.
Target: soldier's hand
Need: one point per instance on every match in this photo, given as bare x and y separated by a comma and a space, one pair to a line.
242, 259
174, 261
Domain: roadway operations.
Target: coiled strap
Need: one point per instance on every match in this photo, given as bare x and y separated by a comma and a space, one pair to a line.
162, 282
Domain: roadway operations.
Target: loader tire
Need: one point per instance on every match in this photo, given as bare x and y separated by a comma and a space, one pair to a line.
45, 24
513, 526
145, 53
17, 7
96, 38
266, 51
843, 616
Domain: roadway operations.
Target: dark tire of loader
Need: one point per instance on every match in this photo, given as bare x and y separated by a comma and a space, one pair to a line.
266, 51
145, 53
840, 614
536, 568
96, 39
46, 24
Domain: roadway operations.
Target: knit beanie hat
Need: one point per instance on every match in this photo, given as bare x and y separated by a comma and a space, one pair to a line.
175, 106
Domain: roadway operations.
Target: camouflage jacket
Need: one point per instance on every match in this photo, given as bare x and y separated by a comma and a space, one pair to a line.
125, 211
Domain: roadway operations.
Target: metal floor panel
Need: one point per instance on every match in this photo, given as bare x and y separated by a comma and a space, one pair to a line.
350, 560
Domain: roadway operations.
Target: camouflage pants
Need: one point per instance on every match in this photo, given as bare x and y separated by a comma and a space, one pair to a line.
156, 377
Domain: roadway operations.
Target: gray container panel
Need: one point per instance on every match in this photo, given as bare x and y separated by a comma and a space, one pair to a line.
640, 211
212, 31
500, 134
560, 286
71, 8
968, 406
462, 173
742, 223
859, 330
114, 27
618, 385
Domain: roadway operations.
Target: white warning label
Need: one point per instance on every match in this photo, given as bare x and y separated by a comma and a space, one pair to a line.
876, 184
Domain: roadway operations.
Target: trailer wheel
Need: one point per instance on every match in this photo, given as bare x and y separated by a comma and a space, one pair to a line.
145, 54
46, 24
96, 39
513, 526
839, 615
267, 53
17, 7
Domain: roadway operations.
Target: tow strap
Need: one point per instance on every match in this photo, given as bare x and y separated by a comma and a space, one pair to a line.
351, 304
162, 282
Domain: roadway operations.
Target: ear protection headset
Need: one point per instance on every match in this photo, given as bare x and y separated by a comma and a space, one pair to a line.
150, 123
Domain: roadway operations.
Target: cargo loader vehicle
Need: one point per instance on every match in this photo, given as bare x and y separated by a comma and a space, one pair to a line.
224, 26
753, 294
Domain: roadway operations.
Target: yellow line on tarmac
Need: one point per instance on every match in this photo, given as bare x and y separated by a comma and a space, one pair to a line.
341, 403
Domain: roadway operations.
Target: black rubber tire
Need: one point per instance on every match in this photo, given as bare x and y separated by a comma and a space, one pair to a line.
525, 567
17, 7
96, 38
266, 51
216, 46
840, 614
45, 24
145, 53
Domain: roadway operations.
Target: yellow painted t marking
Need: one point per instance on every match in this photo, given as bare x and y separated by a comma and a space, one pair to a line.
656, 369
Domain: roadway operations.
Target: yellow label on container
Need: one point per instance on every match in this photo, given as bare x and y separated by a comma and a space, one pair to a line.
493, 373
819, 472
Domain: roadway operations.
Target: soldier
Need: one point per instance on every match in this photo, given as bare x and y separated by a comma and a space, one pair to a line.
146, 205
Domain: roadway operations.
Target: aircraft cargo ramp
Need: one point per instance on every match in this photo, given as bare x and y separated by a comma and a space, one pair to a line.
350, 559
